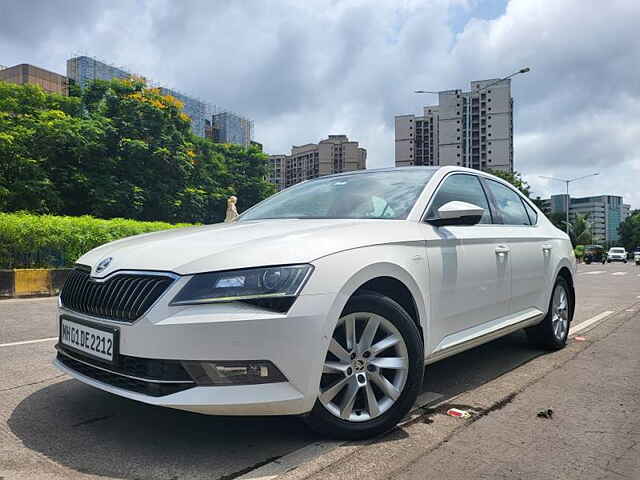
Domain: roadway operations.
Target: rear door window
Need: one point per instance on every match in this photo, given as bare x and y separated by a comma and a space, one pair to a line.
533, 215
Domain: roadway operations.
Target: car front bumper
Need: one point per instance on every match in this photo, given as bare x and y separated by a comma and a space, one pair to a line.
295, 342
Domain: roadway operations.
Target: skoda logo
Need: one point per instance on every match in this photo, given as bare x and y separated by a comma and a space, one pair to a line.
104, 263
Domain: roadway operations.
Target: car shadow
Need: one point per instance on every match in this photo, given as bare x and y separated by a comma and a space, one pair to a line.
472, 368
94, 432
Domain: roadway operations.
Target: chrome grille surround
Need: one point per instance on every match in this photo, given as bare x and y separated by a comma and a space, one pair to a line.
123, 296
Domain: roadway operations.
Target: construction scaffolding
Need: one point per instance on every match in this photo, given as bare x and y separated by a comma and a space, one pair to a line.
207, 120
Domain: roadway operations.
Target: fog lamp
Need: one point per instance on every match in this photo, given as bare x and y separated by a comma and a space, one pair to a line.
234, 372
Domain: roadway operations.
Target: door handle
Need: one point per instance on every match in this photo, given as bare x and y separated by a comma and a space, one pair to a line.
502, 250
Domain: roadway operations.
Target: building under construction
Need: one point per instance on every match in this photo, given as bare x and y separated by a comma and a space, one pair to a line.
229, 127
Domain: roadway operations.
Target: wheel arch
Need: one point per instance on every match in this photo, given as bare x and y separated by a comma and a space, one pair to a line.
565, 273
397, 291
391, 280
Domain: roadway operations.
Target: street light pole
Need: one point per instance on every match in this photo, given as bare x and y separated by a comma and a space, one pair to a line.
567, 181
522, 70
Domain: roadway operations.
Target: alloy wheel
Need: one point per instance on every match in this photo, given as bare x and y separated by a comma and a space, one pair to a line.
560, 312
365, 369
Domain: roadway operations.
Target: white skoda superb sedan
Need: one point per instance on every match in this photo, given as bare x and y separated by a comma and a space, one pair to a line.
326, 300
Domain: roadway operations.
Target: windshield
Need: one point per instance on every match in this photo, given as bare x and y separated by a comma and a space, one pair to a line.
617, 250
386, 194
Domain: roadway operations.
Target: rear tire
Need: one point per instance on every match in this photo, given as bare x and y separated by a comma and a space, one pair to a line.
553, 331
359, 398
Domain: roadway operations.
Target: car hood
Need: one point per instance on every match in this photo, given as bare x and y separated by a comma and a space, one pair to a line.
245, 244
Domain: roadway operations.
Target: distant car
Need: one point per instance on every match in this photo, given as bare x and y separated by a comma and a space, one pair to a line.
594, 254
636, 256
326, 300
617, 254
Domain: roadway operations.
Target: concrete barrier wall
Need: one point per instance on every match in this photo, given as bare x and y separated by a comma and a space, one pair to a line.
31, 282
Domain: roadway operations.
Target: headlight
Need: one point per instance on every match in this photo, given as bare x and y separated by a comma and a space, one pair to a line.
249, 284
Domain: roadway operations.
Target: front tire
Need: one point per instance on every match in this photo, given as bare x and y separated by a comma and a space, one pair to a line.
553, 331
372, 372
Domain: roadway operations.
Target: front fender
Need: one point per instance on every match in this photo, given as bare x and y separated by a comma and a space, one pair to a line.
345, 272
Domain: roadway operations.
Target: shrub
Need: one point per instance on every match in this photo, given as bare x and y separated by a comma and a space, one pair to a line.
37, 241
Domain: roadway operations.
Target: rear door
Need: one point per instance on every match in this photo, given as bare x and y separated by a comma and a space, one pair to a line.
530, 247
469, 276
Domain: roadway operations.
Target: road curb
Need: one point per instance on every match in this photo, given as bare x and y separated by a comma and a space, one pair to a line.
32, 282
430, 427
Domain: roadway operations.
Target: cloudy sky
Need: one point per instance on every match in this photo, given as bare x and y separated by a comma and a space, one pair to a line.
306, 69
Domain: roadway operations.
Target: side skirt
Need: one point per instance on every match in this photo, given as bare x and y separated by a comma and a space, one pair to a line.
484, 333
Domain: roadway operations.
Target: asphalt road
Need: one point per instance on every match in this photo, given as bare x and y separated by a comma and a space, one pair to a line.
52, 426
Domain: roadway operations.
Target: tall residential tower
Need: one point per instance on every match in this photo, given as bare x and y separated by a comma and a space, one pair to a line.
471, 129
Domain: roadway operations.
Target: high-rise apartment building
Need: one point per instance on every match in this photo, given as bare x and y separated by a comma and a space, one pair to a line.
335, 154
471, 129
276, 174
604, 213
29, 74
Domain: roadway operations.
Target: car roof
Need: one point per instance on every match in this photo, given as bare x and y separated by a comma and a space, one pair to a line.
376, 170
446, 168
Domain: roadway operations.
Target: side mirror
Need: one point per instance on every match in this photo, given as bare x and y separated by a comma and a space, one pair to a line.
457, 213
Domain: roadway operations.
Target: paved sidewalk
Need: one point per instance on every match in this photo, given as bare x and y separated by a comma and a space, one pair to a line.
594, 432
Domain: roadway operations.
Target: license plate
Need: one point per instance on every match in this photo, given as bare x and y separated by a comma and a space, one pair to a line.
93, 341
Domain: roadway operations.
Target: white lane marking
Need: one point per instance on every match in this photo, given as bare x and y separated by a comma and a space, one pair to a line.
27, 342
587, 323
619, 273
28, 300
596, 272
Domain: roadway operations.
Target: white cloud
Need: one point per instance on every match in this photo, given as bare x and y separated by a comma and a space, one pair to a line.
303, 70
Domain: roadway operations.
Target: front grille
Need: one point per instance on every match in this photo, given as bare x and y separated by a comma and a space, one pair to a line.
124, 297
153, 377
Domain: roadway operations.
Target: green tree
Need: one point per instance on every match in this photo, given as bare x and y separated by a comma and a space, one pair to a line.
580, 230
514, 178
120, 149
32, 124
629, 231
